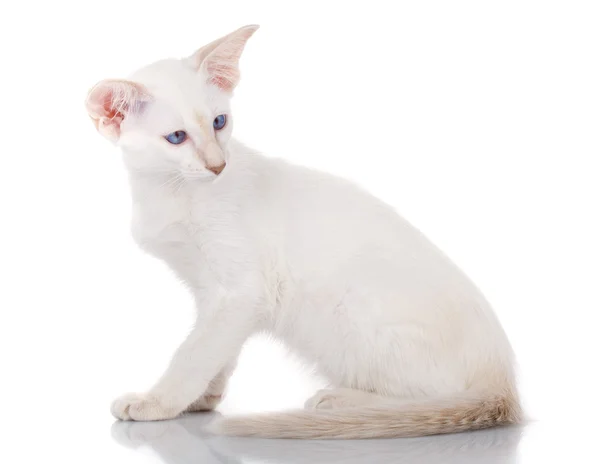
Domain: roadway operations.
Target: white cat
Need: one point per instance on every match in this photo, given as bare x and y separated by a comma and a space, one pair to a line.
409, 344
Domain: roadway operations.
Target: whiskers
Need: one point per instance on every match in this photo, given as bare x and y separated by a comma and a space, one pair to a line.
158, 180
174, 182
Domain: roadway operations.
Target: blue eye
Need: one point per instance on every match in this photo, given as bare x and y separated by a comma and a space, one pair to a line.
176, 137
219, 122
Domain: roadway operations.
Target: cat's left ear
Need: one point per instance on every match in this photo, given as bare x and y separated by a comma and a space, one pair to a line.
219, 60
110, 101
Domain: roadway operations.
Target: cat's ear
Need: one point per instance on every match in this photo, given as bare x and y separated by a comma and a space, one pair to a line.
219, 60
110, 101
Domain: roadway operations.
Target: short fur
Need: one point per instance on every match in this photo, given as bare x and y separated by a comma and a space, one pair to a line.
409, 344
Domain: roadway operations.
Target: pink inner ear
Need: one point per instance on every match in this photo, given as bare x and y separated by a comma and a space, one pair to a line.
223, 75
221, 58
110, 112
222, 82
109, 102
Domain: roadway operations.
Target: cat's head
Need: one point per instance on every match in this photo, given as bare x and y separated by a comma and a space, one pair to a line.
173, 116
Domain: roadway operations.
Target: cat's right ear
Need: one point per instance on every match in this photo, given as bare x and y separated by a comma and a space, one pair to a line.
110, 101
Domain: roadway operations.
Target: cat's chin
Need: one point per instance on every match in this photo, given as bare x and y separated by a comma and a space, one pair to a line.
199, 177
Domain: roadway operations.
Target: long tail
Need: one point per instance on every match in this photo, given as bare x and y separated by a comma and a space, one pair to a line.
385, 420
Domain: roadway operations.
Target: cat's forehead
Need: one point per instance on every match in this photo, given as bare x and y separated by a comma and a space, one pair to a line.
173, 80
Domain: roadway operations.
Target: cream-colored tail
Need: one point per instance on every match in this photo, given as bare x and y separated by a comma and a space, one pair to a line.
385, 420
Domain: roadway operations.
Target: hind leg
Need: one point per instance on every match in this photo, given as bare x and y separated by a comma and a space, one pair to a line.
338, 398
215, 392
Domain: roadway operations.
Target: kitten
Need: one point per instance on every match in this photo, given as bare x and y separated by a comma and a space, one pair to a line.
409, 344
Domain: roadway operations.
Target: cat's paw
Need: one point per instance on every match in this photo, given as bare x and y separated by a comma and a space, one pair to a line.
339, 398
205, 403
141, 407
323, 399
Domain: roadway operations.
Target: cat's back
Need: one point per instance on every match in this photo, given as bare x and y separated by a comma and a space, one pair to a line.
327, 226
329, 214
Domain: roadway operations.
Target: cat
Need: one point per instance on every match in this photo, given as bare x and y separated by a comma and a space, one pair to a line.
409, 344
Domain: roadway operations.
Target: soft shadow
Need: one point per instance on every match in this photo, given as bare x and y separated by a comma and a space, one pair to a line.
178, 441
184, 441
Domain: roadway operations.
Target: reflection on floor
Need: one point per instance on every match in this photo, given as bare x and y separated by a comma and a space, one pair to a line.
184, 440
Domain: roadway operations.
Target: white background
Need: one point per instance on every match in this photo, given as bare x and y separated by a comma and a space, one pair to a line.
477, 120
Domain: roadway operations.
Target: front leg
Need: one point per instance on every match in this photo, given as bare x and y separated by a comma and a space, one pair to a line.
225, 324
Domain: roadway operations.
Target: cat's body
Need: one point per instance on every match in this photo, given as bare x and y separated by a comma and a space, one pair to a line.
407, 341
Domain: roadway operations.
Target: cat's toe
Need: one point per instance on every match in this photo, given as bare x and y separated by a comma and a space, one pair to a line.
140, 407
120, 407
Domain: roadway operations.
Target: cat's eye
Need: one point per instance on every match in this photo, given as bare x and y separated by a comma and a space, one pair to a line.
176, 137
220, 121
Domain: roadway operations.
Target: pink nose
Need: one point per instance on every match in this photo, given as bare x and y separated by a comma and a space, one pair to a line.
216, 169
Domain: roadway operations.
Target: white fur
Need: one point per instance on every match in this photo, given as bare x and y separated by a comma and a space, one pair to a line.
312, 259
